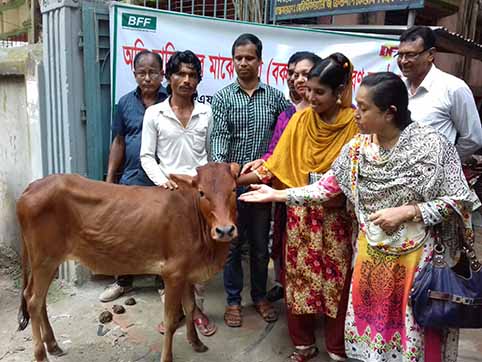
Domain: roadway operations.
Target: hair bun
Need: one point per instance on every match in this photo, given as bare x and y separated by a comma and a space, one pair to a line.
341, 60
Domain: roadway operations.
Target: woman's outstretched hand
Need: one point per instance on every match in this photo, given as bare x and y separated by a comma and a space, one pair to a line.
263, 193
251, 166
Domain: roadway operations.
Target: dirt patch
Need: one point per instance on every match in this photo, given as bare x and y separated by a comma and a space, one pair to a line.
10, 267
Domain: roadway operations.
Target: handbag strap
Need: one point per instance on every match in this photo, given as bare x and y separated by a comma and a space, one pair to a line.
454, 298
467, 249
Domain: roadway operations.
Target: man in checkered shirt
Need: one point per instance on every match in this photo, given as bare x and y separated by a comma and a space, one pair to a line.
244, 117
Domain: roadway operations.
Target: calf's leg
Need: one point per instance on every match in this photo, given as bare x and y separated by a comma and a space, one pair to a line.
189, 305
33, 305
40, 283
47, 332
48, 335
174, 289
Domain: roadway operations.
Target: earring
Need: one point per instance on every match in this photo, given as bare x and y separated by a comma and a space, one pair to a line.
338, 101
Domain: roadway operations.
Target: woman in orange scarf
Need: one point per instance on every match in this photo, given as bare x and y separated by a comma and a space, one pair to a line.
317, 252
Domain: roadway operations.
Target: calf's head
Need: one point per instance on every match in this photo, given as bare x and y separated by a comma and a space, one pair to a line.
215, 184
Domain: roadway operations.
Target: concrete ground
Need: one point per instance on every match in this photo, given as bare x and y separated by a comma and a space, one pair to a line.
132, 337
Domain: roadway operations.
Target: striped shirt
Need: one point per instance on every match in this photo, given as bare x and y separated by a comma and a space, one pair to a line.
243, 124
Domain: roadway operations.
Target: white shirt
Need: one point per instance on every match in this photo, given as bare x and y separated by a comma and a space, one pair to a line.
446, 103
179, 149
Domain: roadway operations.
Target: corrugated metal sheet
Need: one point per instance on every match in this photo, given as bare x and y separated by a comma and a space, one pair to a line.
64, 131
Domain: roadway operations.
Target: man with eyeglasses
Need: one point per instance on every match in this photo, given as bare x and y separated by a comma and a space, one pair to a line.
124, 160
437, 98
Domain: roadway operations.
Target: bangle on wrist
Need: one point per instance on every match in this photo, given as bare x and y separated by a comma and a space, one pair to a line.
416, 217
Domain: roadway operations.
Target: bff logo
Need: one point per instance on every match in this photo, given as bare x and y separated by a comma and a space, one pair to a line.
139, 22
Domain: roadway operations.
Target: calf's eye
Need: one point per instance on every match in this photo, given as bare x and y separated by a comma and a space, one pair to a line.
201, 193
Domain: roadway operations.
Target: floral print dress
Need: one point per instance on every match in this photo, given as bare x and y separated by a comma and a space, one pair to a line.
317, 256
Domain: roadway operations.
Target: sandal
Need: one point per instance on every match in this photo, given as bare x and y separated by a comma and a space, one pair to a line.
303, 355
161, 328
337, 357
232, 316
266, 311
274, 294
205, 326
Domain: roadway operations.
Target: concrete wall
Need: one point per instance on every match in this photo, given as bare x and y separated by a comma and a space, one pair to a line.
14, 153
20, 136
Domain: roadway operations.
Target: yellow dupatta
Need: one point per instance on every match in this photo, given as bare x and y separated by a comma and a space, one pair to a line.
310, 145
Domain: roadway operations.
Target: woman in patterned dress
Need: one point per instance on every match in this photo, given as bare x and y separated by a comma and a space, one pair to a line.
303, 63
317, 250
402, 179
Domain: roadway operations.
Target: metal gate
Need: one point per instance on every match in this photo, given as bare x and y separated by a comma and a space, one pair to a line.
245, 10
94, 44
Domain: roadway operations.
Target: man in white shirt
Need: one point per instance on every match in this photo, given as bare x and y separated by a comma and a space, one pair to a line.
175, 132
437, 98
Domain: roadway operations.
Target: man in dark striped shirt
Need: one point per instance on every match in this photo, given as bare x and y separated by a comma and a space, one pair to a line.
244, 117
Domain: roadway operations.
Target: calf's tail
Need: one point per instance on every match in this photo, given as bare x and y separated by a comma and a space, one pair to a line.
23, 316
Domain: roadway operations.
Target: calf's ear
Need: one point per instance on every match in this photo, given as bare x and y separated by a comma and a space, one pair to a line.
182, 178
234, 169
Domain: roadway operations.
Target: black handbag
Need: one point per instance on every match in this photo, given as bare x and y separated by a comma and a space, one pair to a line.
449, 297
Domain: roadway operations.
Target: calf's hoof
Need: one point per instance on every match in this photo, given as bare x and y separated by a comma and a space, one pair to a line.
41, 357
42, 360
56, 351
199, 347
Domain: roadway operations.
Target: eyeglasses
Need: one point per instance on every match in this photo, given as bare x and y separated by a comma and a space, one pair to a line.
152, 75
410, 55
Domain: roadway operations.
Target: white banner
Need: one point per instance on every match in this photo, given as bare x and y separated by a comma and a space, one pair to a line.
134, 29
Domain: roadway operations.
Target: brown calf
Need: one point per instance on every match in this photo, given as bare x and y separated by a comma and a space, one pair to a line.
182, 235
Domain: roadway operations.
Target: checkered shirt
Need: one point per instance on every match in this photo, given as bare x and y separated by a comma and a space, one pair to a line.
243, 125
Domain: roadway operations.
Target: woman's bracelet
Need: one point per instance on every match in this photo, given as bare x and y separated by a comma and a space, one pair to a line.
416, 217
